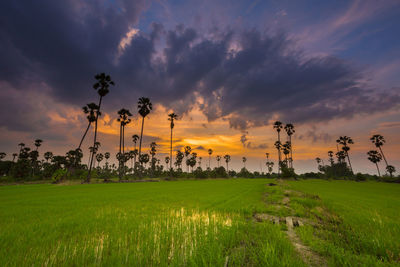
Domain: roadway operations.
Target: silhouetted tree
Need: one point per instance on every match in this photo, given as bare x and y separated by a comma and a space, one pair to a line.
379, 141
390, 169
123, 119
345, 141
99, 158
14, 156
144, 109
102, 86
38, 143
2, 155
90, 109
210, 151
48, 155
187, 152
330, 155
244, 159
167, 160
278, 127
218, 159
289, 128
375, 157
135, 138
172, 117
179, 159
227, 160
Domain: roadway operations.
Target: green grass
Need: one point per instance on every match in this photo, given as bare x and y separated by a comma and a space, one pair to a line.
361, 227
186, 223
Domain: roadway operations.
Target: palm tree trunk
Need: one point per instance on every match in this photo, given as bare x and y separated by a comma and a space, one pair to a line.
120, 150
141, 137
94, 141
84, 135
170, 153
377, 167
209, 161
279, 155
291, 151
348, 158
383, 155
123, 150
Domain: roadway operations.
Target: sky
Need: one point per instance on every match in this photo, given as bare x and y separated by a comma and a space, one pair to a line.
229, 69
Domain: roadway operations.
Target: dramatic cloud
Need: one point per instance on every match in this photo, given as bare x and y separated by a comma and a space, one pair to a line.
247, 77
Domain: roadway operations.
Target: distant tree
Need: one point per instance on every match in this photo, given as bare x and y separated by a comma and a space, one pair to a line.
2, 155
102, 85
48, 155
330, 155
390, 169
144, 159
227, 160
144, 109
187, 152
218, 160
99, 158
135, 138
318, 160
286, 147
179, 159
244, 159
167, 160
172, 117
270, 166
278, 127
341, 156
375, 157
210, 151
379, 141
91, 110
38, 143
153, 150
107, 156
345, 141
14, 156
123, 119
289, 128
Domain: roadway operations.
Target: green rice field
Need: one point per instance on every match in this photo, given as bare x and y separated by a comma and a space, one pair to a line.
197, 223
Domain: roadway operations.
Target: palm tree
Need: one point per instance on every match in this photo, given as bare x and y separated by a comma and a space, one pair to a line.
390, 169
167, 160
123, 119
227, 159
187, 152
90, 109
14, 156
318, 160
289, 128
210, 151
278, 127
152, 152
99, 158
21, 147
172, 116
144, 108
107, 156
330, 155
345, 141
379, 141
2, 155
102, 86
375, 157
270, 165
179, 158
38, 143
48, 155
244, 159
218, 160
135, 138
286, 150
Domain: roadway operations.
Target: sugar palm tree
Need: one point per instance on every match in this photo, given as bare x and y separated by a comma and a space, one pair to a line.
379, 141
144, 109
318, 160
90, 109
14, 156
99, 158
244, 159
345, 141
135, 138
390, 169
48, 155
227, 160
289, 128
286, 147
167, 160
278, 127
375, 157
172, 117
107, 156
102, 85
38, 143
187, 152
218, 160
21, 147
330, 155
2, 155
123, 119
210, 151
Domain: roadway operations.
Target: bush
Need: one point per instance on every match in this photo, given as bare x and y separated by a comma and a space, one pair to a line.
59, 175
